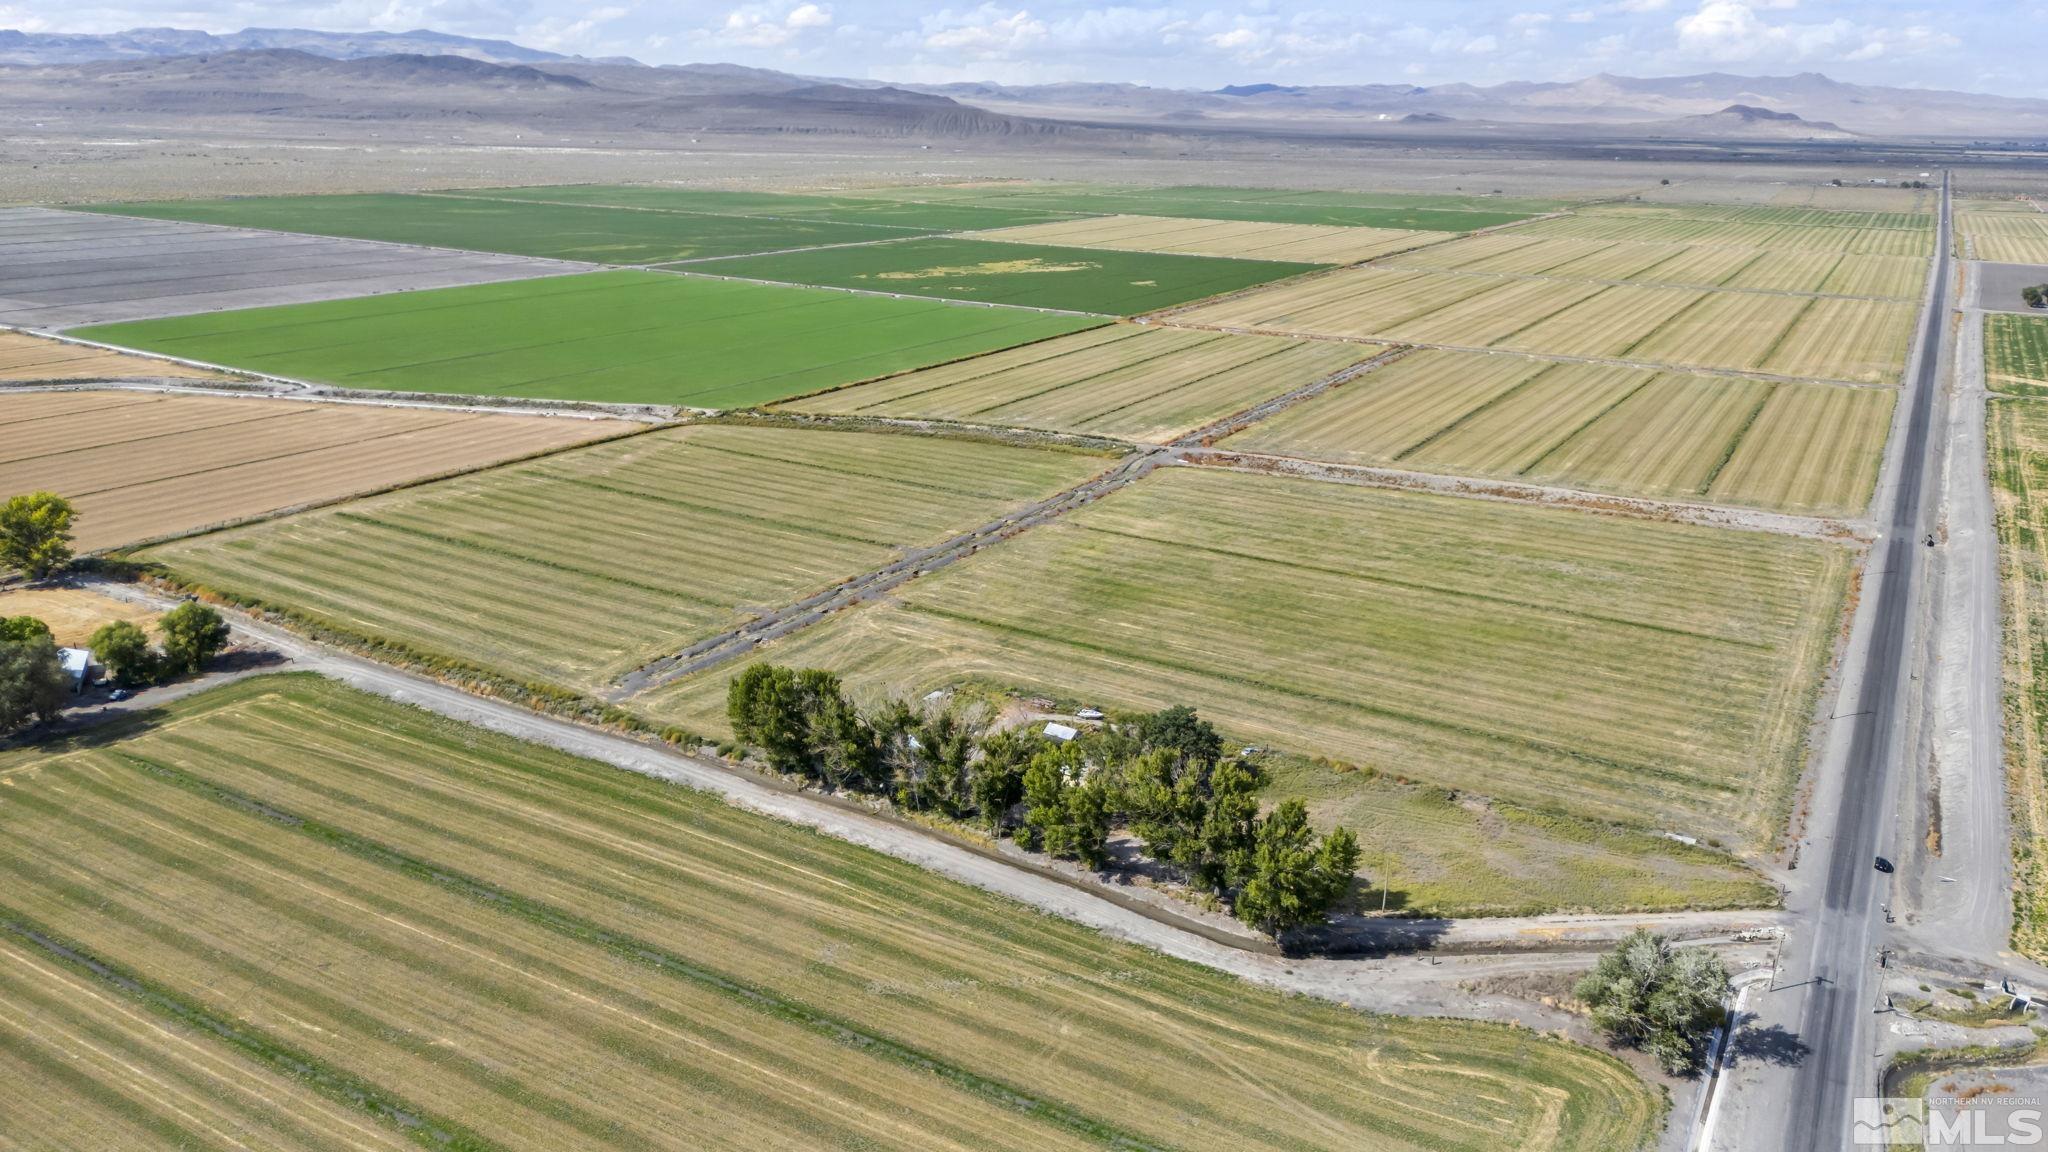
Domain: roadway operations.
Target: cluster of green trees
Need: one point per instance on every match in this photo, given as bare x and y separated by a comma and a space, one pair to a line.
192, 634
2036, 295
33, 686
35, 534
1662, 999
1163, 776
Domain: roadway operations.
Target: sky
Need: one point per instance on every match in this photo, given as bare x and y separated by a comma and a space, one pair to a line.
1971, 45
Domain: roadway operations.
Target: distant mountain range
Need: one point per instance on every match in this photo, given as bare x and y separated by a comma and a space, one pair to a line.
1806, 106
142, 43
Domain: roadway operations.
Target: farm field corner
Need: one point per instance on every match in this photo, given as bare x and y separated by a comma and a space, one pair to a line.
1638, 672
145, 465
621, 337
508, 947
580, 567
1098, 280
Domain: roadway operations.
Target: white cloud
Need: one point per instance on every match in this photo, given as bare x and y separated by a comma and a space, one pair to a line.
762, 26
987, 32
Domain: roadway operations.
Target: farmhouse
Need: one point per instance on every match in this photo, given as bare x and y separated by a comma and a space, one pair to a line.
77, 665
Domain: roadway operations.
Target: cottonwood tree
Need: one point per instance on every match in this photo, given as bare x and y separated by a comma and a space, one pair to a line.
995, 778
33, 685
1656, 997
35, 534
1292, 879
124, 650
22, 628
192, 635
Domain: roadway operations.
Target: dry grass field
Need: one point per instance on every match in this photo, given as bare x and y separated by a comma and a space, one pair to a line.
1306, 243
581, 566
1446, 853
1810, 448
145, 465
1705, 266
1637, 671
35, 358
1146, 384
1856, 341
2008, 237
72, 613
2019, 489
1699, 230
2016, 353
453, 939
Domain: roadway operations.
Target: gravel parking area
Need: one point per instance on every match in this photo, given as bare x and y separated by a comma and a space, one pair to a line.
60, 269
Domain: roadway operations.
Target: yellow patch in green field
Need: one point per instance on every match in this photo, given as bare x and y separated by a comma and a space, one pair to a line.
985, 268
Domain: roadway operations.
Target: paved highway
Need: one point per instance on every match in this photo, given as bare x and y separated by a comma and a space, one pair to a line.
1839, 984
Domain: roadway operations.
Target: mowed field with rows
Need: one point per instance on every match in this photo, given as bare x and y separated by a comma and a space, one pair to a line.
145, 465
1806, 448
580, 567
1307, 243
2018, 443
1147, 384
1851, 340
2010, 234
1631, 670
1514, 253
620, 337
1096, 280
290, 915
1865, 238
27, 358
2016, 353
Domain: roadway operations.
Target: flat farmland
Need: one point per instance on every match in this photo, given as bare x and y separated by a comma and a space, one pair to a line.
452, 937
1703, 231
1904, 217
836, 209
1404, 211
1805, 448
1307, 243
1147, 384
1098, 280
1642, 672
2016, 353
1695, 266
1825, 338
2018, 432
582, 566
554, 231
144, 465
35, 358
622, 337
2006, 237
73, 614
1443, 853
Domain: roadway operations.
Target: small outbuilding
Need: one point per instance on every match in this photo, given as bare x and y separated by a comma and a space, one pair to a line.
1061, 732
77, 665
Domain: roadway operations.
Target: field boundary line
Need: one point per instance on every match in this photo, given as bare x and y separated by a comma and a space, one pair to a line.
1011, 435
366, 398
671, 270
462, 195
971, 357
734, 643
568, 267
1735, 442
670, 264
1237, 422
1552, 357
1517, 492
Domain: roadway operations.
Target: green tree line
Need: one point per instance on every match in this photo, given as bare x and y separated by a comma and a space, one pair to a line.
1163, 776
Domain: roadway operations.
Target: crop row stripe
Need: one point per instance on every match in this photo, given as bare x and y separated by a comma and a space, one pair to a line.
640, 952
423, 1129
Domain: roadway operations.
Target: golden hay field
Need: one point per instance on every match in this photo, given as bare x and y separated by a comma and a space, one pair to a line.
145, 465
26, 357
1305, 243
293, 916
2008, 237
1696, 230
1804, 448
1700, 266
1636, 671
72, 613
1134, 383
1823, 338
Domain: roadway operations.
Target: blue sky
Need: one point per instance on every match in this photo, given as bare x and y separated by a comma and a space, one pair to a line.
1974, 45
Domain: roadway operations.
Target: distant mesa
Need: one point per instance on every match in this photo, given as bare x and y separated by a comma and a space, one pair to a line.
1254, 89
1428, 118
